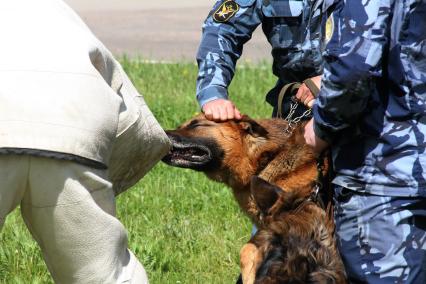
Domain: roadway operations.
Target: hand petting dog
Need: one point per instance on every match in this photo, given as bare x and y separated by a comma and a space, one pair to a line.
221, 110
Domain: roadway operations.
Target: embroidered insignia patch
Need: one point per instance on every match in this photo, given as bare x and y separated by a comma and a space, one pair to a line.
329, 28
225, 11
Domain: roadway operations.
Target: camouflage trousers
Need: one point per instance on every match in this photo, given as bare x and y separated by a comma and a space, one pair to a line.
382, 239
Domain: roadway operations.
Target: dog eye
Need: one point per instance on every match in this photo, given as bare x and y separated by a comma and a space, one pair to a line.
192, 126
195, 125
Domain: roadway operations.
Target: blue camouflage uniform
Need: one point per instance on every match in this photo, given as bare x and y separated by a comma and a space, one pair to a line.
294, 28
372, 109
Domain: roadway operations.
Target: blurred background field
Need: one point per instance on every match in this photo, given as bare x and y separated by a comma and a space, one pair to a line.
183, 227
160, 30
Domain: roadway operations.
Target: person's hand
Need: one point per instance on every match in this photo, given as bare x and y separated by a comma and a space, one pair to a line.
305, 96
221, 110
312, 140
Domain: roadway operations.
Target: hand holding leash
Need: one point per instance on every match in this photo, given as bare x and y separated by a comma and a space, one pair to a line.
305, 93
308, 91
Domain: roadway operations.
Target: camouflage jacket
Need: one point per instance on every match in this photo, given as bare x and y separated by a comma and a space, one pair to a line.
372, 106
294, 28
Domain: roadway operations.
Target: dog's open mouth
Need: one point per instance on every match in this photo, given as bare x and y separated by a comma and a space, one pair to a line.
188, 155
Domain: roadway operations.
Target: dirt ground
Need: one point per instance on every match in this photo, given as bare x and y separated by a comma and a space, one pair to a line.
160, 30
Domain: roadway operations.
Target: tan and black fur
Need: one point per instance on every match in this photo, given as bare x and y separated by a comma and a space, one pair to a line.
294, 243
233, 152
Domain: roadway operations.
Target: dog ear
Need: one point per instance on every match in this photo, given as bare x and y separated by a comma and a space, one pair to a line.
264, 193
252, 127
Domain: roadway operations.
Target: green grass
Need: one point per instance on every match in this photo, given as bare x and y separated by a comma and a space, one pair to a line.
183, 227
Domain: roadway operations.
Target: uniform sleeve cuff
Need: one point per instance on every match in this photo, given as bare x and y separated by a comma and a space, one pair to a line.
211, 93
323, 133
320, 128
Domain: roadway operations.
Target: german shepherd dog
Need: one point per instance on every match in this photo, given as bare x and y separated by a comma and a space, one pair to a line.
273, 177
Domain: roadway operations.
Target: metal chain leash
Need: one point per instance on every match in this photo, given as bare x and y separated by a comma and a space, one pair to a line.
292, 122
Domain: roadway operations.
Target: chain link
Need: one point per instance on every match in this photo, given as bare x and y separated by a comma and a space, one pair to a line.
292, 122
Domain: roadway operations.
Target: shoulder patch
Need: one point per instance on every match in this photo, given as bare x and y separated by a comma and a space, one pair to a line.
329, 29
226, 11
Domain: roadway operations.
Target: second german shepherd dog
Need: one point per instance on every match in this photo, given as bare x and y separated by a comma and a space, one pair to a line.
273, 177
